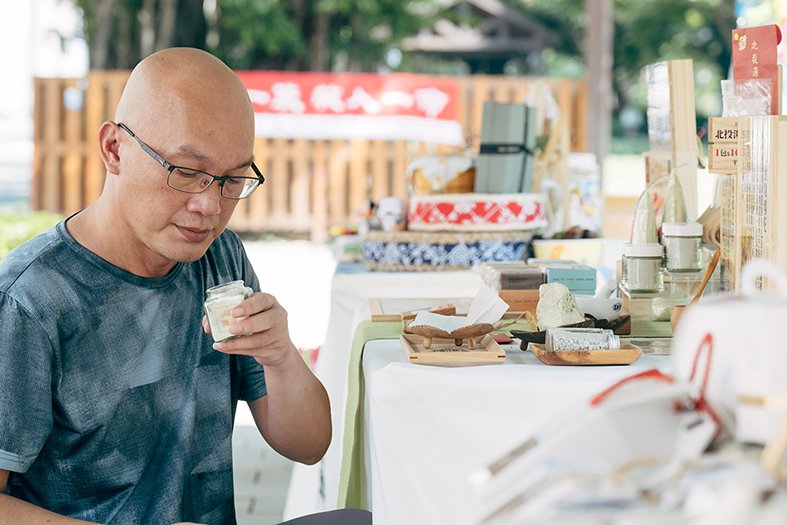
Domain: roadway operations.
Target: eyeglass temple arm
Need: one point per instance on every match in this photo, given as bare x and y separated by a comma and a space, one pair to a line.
258, 172
147, 149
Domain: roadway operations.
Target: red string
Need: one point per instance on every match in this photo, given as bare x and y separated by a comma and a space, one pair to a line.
699, 404
648, 374
707, 342
702, 403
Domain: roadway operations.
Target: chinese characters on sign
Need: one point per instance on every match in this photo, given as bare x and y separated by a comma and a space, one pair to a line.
348, 105
724, 146
754, 58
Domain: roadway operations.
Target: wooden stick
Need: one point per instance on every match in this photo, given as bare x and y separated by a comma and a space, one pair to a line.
705, 278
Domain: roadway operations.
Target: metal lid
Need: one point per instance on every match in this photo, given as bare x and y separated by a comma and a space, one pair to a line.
682, 229
643, 250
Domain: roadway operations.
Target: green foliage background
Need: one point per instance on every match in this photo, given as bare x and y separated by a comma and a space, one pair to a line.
16, 228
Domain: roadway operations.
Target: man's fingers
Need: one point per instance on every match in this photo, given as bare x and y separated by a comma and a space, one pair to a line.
242, 345
259, 302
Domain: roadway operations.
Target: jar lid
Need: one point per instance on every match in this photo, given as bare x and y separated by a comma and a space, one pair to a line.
682, 229
225, 286
643, 250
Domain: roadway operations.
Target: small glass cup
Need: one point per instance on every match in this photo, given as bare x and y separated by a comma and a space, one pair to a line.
642, 268
683, 245
220, 301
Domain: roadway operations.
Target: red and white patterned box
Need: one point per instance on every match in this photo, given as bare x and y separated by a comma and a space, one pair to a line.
477, 212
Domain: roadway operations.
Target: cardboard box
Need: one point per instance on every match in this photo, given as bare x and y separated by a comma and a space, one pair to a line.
520, 300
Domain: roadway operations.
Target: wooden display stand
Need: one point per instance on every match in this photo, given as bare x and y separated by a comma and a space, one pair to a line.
672, 127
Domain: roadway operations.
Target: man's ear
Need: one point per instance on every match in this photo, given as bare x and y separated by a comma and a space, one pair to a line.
108, 146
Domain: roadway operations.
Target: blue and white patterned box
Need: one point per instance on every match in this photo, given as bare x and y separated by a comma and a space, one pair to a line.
427, 251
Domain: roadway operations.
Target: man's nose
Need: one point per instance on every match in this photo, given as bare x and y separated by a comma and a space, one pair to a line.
208, 202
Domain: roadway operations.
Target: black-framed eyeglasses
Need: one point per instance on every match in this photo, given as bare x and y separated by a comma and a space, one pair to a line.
189, 180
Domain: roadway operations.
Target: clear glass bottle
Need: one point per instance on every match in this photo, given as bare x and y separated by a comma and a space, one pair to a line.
683, 244
574, 339
643, 267
220, 301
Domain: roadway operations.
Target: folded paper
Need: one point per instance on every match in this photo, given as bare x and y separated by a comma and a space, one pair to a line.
486, 308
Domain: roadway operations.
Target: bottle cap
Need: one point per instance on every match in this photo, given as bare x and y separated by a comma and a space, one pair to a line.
643, 250
682, 229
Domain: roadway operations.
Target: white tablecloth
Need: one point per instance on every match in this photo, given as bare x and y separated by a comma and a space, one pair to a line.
316, 487
427, 429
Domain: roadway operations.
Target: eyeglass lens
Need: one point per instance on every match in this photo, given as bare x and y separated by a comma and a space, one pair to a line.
196, 181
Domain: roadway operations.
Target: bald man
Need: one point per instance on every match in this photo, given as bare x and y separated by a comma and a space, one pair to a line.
116, 405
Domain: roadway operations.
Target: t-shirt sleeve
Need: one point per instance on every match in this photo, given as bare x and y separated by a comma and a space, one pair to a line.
252, 374
26, 365
247, 270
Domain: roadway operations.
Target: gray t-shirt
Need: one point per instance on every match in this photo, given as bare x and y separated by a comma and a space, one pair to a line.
114, 408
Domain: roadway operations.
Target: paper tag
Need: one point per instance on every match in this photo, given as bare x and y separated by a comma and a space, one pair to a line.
695, 433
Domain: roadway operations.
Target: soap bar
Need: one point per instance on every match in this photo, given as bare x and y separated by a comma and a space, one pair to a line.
557, 307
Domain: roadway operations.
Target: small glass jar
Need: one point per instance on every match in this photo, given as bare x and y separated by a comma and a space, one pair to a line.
643, 267
683, 244
220, 301
575, 339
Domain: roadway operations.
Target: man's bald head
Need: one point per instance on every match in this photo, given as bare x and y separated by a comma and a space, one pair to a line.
183, 86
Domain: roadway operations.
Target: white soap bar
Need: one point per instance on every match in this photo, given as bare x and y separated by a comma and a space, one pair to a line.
556, 307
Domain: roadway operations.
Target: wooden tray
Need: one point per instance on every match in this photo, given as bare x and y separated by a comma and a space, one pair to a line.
444, 352
627, 354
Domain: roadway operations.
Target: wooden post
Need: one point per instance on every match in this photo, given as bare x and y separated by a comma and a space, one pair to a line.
73, 153
51, 182
319, 227
598, 58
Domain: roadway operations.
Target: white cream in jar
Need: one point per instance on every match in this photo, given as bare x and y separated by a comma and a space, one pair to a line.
219, 303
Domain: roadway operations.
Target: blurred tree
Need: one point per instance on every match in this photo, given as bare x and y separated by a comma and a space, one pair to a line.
120, 33
250, 34
646, 31
323, 35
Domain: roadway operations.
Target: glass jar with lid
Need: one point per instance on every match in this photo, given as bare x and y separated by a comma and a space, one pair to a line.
220, 301
575, 339
683, 244
643, 267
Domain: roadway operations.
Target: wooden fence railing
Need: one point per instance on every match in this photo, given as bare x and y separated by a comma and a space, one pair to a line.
311, 184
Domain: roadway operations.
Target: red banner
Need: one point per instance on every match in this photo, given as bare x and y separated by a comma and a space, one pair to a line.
354, 105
